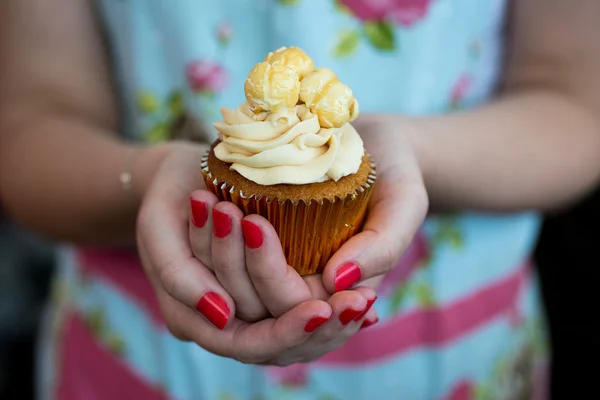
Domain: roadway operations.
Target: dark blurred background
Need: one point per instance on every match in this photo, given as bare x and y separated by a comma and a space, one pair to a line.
26, 265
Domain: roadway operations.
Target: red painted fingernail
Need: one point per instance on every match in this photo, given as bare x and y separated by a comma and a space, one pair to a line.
349, 315
315, 323
347, 276
199, 213
214, 308
366, 323
222, 223
252, 234
367, 308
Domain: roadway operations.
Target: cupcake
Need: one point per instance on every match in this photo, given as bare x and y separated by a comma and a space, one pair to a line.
290, 154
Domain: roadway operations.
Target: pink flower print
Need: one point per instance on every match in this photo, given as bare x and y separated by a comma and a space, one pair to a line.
403, 12
295, 375
460, 90
224, 32
461, 87
464, 390
415, 255
205, 76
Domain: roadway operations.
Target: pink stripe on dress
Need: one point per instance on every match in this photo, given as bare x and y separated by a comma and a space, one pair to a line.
414, 256
122, 268
89, 371
401, 333
420, 328
432, 327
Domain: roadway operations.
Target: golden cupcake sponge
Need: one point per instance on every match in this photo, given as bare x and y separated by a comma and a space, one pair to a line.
287, 76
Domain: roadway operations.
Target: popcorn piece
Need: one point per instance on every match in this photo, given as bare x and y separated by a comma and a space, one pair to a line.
271, 87
294, 58
328, 98
288, 75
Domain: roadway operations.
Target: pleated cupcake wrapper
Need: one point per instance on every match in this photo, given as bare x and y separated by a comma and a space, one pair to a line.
310, 232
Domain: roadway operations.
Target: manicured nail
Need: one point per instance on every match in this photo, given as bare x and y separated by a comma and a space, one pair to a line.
199, 213
252, 234
222, 223
347, 276
349, 315
214, 308
366, 323
367, 308
315, 323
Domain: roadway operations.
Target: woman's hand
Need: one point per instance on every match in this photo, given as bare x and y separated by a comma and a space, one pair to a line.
246, 257
184, 284
397, 208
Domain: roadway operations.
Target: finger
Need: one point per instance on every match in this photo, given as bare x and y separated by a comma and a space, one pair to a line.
372, 315
397, 210
167, 305
252, 343
168, 258
277, 336
347, 306
279, 286
319, 292
335, 332
315, 285
371, 297
201, 225
370, 319
228, 260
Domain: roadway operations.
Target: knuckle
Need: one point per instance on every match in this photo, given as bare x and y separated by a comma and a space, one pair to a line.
251, 315
251, 359
177, 333
339, 342
279, 362
282, 341
145, 216
228, 261
140, 225
200, 245
264, 277
267, 283
222, 263
169, 278
422, 199
201, 253
253, 356
247, 352
390, 253
174, 328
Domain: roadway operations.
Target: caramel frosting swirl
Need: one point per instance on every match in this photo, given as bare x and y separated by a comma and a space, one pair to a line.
286, 146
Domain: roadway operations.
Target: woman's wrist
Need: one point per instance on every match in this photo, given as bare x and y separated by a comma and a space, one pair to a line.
143, 163
419, 140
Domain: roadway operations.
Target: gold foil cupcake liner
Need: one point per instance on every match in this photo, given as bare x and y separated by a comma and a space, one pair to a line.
310, 232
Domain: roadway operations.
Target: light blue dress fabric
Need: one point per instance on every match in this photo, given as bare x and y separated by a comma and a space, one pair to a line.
466, 322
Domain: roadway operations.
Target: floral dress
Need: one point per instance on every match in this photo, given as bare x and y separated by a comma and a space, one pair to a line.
459, 315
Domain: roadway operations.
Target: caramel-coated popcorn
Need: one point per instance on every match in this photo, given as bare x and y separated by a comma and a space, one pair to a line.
271, 87
328, 98
292, 57
287, 77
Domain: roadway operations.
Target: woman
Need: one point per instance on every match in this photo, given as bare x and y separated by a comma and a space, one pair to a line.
466, 323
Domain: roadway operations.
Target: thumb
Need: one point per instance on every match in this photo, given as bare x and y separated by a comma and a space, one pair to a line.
397, 209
